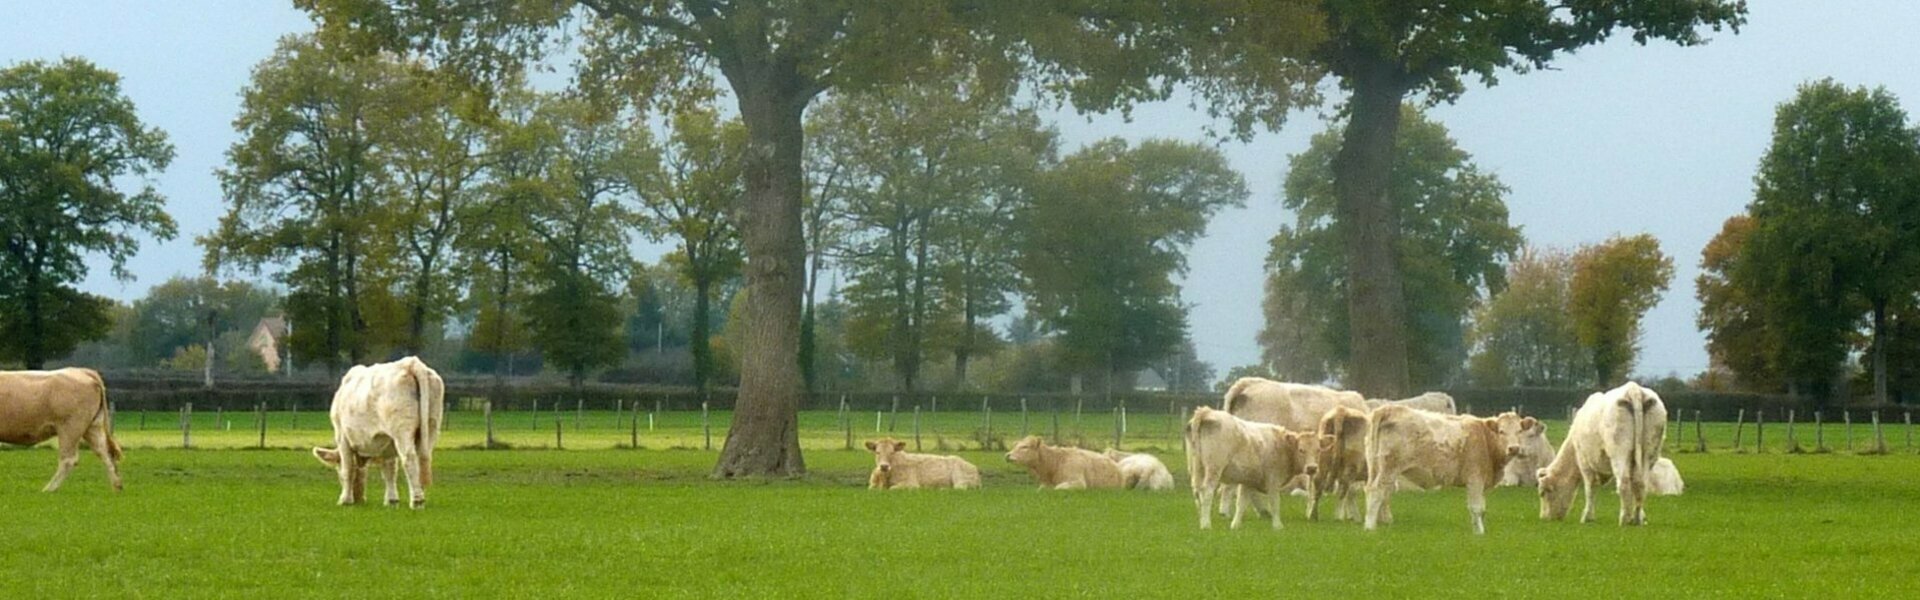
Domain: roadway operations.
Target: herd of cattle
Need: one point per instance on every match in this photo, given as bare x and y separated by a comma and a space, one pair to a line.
1268, 439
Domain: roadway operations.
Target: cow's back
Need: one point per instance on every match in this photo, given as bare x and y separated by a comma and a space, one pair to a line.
36, 405
1295, 406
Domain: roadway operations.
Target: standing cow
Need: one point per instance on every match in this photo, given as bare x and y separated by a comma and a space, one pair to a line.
1616, 435
1343, 467
1295, 406
1438, 402
382, 413
1432, 450
1224, 450
70, 404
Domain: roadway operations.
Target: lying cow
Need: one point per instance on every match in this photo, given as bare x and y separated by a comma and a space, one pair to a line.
381, 413
1059, 468
1664, 479
1343, 466
1535, 453
1432, 450
68, 404
896, 469
1140, 471
1438, 402
1227, 450
1615, 435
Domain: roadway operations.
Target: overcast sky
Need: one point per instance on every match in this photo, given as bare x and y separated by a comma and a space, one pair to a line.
1616, 139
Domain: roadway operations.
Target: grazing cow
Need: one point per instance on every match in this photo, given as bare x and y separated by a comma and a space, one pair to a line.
1141, 471
1059, 468
1438, 402
1432, 450
1615, 435
1664, 479
1535, 452
896, 469
1227, 450
1343, 467
69, 404
384, 412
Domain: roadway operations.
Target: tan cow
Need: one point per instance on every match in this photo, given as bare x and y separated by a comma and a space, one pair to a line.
69, 404
1535, 453
896, 469
1432, 450
1141, 471
384, 412
1295, 406
1343, 467
1617, 435
1226, 450
1059, 468
1438, 402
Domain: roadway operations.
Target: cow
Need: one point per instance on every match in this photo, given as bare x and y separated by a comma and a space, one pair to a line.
1432, 450
1535, 452
1226, 450
1615, 435
68, 404
1664, 479
1343, 467
896, 469
1295, 406
1141, 471
1438, 402
382, 413
1059, 468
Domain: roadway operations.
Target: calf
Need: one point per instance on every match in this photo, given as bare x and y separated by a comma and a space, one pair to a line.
68, 404
1141, 471
1058, 468
896, 469
1432, 450
1615, 435
1227, 450
1343, 467
384, 412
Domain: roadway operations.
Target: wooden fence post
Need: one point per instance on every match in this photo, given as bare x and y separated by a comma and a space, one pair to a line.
143, 420
1909, 431
1055, 404
1699, 434
1119, 426
186, 425
877, 415
658, 408
1024, 430
1819, 433
295, 424
220, 417
260, 420
559, 424
1879, 441
536, 414
893, 421
1847, 415
706, 425
1793, 443
1739, 425
986, 406
916, 428
1759, 430
633, 427
1172, 410
846, 421
488, 408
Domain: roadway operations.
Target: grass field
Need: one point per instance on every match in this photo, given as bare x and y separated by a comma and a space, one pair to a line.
606, 523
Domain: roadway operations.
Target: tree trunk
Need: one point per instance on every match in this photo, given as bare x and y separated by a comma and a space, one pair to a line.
1880, 352
34, 351
700, 345
764, 438
1370, 230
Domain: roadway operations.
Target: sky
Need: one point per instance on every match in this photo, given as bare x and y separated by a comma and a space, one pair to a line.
1614, 139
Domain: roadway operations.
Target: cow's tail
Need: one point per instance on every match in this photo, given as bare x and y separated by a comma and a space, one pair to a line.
1637, 403
103, 417
430, 392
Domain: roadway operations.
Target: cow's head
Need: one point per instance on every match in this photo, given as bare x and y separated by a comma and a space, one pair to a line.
885, 450
1307, 449
1026, 452
1556, 495
1514, 431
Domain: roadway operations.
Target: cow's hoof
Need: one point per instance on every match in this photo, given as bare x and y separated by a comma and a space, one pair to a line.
393, 502
418, 503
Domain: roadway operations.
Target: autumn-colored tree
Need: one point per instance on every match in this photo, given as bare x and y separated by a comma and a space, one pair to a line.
1614, 284
1524, 335
1731, 314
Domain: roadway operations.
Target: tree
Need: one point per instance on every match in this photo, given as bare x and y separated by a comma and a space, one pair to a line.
437, 156
1523, 335
68, 141
1102, 240
1836, 213
583, 229
191, 311
497, 244
303, 188
1614, 284
691, 198
1453, 242
1730, 311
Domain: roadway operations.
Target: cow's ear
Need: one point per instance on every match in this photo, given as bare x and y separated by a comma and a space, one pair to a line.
1326, 442
1540, 475
871, 446
1530, 424
899, 446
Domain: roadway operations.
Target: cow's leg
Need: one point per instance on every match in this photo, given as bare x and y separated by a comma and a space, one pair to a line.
1275, 497
1239, 506
1349, 502
1203, 499
1376, 500
1586, 483
349, 471
360, 479
1314, 492
410, 463
388, 473
97, 439
1477, 505
69, 456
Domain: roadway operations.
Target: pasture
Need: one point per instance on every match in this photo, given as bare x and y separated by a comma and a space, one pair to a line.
607, 522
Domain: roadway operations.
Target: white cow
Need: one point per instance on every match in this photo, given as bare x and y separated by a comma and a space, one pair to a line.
384, 412
1615, 435
1438, 402
1432, 450
69, 404
1664, 479
1295, 406
1141, 471
896, 469
1535, 452
1226, 450
1343, 466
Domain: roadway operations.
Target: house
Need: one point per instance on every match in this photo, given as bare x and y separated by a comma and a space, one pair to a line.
269, 336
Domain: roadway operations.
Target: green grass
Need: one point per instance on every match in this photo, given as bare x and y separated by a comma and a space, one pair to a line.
604, 523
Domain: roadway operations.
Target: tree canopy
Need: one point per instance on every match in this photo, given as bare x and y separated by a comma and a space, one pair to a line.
1614, 284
